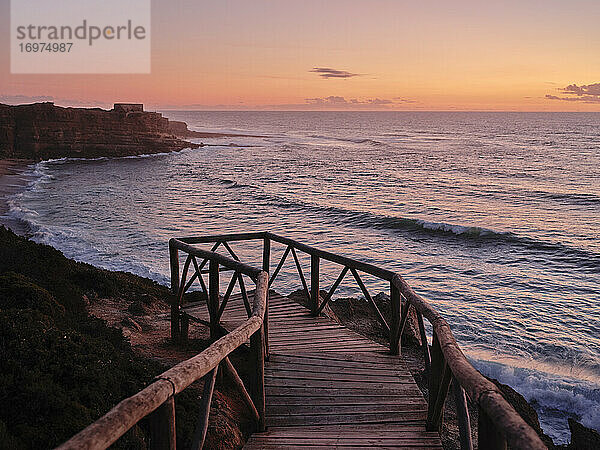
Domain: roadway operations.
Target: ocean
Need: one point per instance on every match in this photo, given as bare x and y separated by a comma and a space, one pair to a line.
492, 217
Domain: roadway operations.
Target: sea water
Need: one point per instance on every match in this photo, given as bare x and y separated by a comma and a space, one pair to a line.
492, 217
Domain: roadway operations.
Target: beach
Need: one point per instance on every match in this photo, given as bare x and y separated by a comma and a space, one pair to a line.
11, 182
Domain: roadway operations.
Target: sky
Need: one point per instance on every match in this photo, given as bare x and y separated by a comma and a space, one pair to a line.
513, 55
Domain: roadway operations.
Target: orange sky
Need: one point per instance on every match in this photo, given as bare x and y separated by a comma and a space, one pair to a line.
432, 55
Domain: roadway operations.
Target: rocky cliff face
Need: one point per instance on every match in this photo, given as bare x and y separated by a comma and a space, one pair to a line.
44, 131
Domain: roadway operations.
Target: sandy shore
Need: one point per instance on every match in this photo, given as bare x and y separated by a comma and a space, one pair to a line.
11, 182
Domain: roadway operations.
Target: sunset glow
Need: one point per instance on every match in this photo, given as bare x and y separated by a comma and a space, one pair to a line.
347, 54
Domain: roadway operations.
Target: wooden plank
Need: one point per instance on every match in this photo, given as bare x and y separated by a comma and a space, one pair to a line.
388, 430
409, 398
341, 441
319, 410
332, 384
299, 347
311, 392
336, 361
308, 337
392, 371
340, 376
358, 428
327, 386
304, 447
378, 417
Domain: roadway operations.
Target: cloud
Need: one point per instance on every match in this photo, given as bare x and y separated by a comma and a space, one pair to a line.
586, 93
337, 101
326, 72
331, 100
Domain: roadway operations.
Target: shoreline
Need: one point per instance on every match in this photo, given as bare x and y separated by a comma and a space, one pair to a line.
11, 183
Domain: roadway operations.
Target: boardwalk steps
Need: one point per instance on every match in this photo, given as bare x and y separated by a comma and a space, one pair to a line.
327, 386
314, 383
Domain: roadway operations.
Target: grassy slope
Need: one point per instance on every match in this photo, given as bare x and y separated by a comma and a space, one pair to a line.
61, 369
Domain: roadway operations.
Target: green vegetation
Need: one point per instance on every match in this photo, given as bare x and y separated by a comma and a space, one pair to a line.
62, 369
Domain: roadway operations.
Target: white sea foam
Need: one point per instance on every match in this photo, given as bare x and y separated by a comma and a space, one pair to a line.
554, 398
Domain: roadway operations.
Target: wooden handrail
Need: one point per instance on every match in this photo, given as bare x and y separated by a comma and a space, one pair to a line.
114, 424
508, 426
499, 424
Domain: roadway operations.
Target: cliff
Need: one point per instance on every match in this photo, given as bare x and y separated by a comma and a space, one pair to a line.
45, 131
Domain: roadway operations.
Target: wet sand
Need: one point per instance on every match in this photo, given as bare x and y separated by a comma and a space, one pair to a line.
11, 182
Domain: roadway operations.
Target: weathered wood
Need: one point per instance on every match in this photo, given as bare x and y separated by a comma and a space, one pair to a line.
435, 415
395, 306
185, 328
484, 392
424, 342
213, 299
462, 412
499, 422
230, 250
266, 266
114, 424
216, 257
230, 371
258, 350
328, 256
280, 265
223, 238
488, 435
174, 263
227, 295
300, 273
332, 290
162, 427
314, 284
244, 295
370, 300
204, 410
435, 377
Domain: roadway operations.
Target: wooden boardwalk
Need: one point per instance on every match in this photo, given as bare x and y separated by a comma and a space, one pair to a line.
329, 387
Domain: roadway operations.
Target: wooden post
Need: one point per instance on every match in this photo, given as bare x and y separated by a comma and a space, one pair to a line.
314, 284
462, 411
488, 436
395, 306
258, 388
266, 266
162, 426
174, 259
213, 299
435, 375
202, 424
185, 328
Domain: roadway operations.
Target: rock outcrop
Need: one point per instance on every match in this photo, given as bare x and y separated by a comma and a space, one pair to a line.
45, 131
583, 438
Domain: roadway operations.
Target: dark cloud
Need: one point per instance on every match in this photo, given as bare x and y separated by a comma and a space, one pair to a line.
326, 72
586, 93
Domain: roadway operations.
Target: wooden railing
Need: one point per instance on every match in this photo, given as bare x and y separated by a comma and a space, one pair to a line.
499, 424
157, 400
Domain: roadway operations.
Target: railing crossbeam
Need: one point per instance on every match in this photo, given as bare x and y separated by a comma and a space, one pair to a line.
280, 265
227, 295
204, 413
370, 300
301, 274
332, 290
